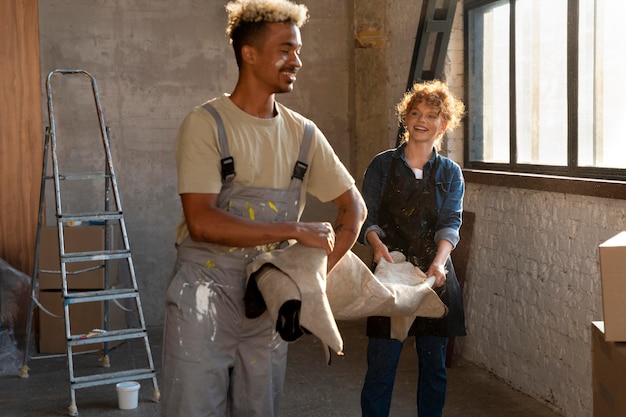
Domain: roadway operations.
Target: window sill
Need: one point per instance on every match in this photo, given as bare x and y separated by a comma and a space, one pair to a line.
567, 185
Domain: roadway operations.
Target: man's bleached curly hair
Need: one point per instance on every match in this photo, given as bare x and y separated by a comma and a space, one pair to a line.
264, 11
248, 19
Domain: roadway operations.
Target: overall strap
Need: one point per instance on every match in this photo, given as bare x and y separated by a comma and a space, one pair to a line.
300, 168
227, 161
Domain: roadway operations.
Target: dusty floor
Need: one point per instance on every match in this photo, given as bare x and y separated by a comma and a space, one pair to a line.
313, 389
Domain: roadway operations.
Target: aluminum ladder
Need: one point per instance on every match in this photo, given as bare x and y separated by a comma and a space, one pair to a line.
115, 252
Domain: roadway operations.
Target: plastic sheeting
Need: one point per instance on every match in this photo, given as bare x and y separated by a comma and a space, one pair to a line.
14, 285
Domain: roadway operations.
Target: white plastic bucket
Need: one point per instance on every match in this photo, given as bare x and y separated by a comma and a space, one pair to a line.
127, 394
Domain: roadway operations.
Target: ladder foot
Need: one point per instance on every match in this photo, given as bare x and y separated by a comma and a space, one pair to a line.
72, 409
24, 371
106, 362
156, 395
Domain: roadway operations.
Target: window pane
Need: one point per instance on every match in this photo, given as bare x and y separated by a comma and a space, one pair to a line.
541, 81
602, 89
488, 97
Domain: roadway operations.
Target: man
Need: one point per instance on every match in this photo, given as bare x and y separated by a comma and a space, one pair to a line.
241, 169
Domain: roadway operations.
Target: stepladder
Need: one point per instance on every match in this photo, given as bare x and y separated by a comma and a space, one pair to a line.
83, 264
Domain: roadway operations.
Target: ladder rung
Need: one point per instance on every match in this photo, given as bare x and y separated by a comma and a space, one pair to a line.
100, 295
438, 26
70, 273
101, 255
83, 176
111, 378
86, 217
110, 335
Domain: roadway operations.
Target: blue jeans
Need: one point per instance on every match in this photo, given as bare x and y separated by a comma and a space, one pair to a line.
382, 363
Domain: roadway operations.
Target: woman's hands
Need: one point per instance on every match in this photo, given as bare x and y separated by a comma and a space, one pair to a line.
438, 271
438, 267
380, 249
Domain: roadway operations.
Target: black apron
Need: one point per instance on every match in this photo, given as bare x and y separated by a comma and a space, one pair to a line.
408, 216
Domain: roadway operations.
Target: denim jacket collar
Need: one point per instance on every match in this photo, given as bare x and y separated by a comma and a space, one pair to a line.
399, 153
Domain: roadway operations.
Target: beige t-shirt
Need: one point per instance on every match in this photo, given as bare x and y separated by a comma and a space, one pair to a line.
264, 151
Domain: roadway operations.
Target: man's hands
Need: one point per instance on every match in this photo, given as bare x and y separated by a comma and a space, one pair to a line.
317, 235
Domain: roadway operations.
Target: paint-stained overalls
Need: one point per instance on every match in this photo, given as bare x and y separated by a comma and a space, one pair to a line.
217, 362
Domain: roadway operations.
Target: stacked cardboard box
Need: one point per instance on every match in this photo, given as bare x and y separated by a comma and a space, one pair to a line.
76, 239
83, 316
608, 364
608, 337
613, 272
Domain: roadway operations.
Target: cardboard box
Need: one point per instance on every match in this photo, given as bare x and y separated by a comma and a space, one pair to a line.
608, 364
83, 318
613, 274
77, 239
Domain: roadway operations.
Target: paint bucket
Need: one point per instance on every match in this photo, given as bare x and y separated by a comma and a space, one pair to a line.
127, 394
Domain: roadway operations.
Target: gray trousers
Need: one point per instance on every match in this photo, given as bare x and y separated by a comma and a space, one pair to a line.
217, 362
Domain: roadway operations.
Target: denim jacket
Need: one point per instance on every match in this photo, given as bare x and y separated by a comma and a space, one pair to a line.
450, 191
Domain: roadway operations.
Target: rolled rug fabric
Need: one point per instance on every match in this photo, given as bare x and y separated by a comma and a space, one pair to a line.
277, 275
292, 284
398, 290
283, 301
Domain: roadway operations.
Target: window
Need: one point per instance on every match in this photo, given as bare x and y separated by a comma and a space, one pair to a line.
546, 92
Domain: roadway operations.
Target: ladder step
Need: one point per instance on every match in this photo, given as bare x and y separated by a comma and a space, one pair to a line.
438, 26
70, 273
108, 336
91, 217
111, 378
101, 255
82, 176
100, 295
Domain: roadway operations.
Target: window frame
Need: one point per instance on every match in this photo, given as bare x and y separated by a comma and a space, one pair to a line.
541, 176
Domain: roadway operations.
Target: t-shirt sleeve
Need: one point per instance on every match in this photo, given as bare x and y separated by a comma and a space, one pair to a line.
197, 154
328, 176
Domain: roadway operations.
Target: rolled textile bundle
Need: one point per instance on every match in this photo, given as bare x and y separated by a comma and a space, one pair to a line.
398, 290
293, 285
275, 273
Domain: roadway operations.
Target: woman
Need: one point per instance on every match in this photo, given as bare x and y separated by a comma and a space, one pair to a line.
415, 200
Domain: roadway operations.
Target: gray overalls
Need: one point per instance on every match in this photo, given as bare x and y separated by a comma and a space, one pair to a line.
217, 362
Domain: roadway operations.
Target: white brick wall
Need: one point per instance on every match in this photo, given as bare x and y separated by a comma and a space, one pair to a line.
533, 288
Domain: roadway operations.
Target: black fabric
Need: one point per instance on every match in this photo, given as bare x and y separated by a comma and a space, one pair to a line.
408, 215
253, 299
288, 321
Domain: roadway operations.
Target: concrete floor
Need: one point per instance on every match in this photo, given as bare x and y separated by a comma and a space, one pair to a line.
313, 389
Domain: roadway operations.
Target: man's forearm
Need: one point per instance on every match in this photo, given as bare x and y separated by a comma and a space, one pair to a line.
351, 214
